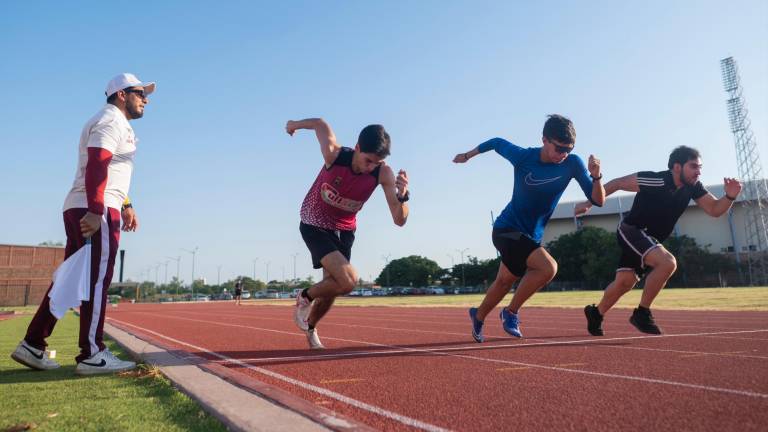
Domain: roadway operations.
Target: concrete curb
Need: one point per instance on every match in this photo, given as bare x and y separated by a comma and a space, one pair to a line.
238, 409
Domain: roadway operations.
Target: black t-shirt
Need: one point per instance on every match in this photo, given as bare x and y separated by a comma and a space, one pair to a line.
659, 203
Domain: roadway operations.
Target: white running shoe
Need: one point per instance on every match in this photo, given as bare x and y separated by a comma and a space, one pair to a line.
301, 314
314, 340
103, 362
33, 357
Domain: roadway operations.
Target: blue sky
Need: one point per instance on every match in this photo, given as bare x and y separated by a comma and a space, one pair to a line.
216, 170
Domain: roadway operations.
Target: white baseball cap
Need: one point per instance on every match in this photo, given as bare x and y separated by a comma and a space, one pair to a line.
125, 80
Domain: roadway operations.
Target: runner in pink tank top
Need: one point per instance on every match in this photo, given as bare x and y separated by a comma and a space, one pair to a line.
329, 211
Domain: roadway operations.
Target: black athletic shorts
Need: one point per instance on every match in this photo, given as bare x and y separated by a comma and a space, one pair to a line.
238, 293
515, 248
635, 244
322, 241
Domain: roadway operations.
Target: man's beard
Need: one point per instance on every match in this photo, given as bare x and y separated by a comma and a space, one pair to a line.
685, 181
134, 112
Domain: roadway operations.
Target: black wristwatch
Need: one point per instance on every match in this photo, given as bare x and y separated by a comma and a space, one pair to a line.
732, 199
126, 206
594, 179
405, 197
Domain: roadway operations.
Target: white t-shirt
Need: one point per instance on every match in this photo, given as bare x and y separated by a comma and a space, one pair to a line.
108, 129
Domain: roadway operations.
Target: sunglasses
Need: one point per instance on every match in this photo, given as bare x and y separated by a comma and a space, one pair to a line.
561, 149
138, 92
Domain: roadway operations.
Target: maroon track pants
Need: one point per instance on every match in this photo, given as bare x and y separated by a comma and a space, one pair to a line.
104, 244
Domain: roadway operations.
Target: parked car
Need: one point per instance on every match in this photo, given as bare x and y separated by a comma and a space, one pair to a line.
245, 295
200, 297
225, 296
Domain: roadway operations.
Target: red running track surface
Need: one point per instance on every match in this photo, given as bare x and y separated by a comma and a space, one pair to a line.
419, 369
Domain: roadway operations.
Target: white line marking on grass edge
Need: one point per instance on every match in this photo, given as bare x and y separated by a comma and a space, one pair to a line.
408, 421
444, 352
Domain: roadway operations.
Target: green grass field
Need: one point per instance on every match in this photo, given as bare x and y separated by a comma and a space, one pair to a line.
58, 400
723, 299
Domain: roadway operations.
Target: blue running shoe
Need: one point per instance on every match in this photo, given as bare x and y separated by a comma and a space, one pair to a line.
477, 326
510, 322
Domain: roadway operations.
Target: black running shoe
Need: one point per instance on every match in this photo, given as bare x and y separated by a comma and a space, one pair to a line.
643, 321
594, 320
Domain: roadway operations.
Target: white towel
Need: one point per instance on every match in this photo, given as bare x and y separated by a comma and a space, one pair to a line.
71, 282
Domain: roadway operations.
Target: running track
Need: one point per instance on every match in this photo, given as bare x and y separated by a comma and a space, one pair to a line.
419, 369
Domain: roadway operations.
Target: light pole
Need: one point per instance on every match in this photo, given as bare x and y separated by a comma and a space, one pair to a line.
192, 285
218, 279
294, 255
254, 269
386, 259
178, 262
166, 272
267, 265
461, 251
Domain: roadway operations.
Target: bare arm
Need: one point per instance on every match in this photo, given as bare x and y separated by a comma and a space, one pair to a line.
717, 207
627, 183
395, 188
328, 145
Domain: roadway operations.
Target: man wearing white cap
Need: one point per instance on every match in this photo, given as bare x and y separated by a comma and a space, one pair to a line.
93, 209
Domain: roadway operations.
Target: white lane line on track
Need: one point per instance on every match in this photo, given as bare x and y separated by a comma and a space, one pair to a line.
539, 314
702, 353
526, 319
737, 354
408, 421
447, 352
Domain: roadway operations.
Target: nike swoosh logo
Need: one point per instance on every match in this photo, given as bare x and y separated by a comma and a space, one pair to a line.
101, 364
37, 356
530, 181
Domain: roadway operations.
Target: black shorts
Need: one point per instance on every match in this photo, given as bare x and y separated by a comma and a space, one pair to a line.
238, 293
515, 248
635, 244
322, 241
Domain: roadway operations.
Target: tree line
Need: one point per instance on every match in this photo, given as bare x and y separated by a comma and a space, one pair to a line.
587, 259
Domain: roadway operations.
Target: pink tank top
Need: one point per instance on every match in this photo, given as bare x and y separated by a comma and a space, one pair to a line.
338, 194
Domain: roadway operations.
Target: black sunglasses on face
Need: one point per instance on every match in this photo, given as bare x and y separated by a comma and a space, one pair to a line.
561, 149
138, 92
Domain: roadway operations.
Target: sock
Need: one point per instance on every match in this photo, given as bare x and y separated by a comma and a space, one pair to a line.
644, 309
311, 327
305, 293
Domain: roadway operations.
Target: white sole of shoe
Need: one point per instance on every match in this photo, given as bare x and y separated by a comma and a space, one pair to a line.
102, 371
22, 361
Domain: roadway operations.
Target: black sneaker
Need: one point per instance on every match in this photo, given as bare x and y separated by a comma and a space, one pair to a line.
642, 319
594, 320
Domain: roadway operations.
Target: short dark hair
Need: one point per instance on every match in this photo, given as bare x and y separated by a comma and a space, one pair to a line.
681, 155
374, 139
112, 98
560, 129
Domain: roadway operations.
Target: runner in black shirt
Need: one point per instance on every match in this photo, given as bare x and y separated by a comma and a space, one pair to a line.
661, 199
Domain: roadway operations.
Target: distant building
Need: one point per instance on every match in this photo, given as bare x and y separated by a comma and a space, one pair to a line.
25, 273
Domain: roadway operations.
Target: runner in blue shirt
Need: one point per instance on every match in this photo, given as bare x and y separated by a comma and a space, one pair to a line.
541, 176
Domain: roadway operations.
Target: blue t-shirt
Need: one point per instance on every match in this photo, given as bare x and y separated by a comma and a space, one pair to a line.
538, 186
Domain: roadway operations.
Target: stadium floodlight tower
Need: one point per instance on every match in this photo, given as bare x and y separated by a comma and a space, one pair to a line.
755, 193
